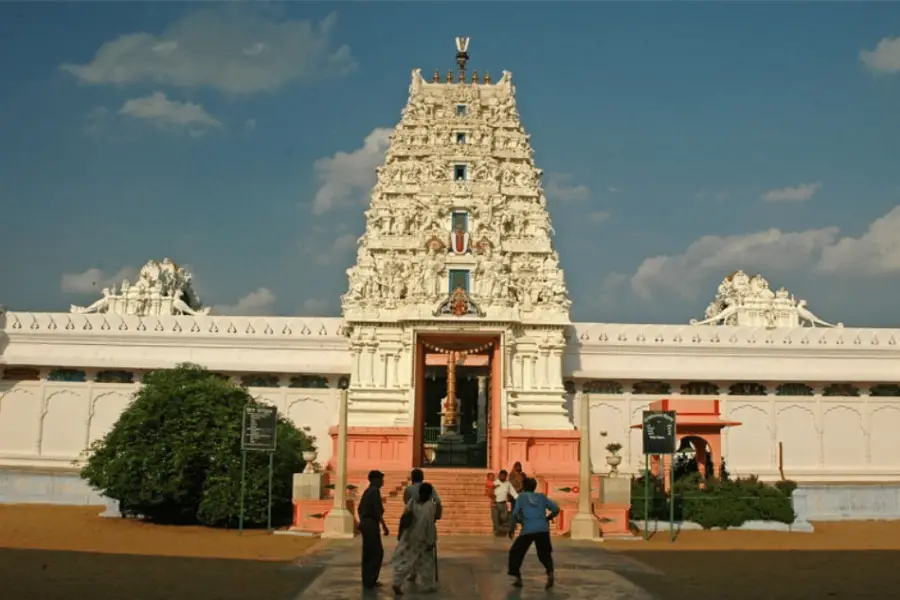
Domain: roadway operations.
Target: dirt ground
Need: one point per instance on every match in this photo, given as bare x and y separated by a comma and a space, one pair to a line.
65, 552
839, 560
57, 552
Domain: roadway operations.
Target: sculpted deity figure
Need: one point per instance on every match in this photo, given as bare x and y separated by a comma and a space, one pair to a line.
438, 170
357, 287
485, 172
759, 288
432, 268
504, 109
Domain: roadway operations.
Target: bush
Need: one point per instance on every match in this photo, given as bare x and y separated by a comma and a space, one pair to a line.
174, 455
732, 503
722, 503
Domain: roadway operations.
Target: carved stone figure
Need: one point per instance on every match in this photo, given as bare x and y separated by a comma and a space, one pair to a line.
98, 306
746, 301
162, 287
810, 318
433, 268
181, 307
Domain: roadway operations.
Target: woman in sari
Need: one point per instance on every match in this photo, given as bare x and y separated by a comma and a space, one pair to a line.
414, 554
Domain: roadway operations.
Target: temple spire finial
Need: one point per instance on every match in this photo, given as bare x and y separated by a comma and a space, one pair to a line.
462, 55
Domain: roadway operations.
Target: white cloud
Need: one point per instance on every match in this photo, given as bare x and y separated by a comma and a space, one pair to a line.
885, 58
250, 125
613, 190
798, 193
599, 216
342, 245
875, 252
158, 109
313, 307
559, 186
259, 302
345, 177
764, 251
93, 280
233, 50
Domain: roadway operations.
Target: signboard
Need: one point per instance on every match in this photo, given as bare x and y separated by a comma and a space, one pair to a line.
259, 428
659, 432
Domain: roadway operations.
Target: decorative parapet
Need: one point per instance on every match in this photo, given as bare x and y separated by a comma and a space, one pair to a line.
588, 337
22, 324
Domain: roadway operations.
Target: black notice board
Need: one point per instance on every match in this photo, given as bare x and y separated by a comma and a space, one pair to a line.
659, 432
259, 428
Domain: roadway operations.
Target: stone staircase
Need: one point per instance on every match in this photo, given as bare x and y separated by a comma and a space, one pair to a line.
467, 511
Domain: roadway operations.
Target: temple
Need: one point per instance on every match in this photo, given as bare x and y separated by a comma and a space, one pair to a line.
457, 345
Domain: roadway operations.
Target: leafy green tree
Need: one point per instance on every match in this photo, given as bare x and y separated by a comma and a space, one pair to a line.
174, 455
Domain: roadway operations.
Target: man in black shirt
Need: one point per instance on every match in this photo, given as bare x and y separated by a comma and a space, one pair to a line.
371, 516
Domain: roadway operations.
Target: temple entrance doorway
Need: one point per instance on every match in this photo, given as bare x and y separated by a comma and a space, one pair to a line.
455, 401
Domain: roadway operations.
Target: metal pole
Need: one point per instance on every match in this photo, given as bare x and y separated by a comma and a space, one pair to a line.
271, 470
646, 496
243, 478
672, 498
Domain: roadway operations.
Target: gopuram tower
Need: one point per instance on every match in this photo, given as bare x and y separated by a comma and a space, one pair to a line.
457, 306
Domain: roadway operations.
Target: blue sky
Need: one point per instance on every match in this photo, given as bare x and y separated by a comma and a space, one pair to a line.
679, 141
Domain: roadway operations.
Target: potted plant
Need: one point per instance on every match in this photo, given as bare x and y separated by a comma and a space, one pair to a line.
613, 460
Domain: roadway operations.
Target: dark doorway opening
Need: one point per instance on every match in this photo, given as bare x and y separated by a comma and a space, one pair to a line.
435, 435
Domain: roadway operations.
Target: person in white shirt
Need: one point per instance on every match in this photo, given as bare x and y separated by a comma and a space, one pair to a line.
500, 509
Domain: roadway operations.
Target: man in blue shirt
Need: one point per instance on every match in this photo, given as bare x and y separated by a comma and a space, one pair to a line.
534, 511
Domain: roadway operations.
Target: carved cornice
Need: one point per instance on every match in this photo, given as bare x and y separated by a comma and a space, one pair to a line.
216, 331
601, 338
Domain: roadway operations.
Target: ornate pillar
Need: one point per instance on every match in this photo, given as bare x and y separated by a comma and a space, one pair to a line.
543, 368
388, 361
339, 521
482, 408
396, 369
355, 365
519, 372
585, 525
369, 366
508, 366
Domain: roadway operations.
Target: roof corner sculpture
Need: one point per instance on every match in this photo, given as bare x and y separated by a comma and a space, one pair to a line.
163, 288
745, 301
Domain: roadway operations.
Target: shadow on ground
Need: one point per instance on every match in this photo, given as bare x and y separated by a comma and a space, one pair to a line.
58, 575
773, 575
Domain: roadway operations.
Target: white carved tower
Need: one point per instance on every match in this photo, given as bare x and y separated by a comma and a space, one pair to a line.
458, 240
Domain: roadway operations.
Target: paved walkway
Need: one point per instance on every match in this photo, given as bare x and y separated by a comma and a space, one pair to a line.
475, 568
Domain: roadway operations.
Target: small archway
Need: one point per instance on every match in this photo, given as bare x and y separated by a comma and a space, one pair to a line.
698, 427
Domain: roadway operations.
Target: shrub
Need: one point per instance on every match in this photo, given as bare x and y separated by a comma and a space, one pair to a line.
722, 503
658, 504
613, 447
174, 455
732, 503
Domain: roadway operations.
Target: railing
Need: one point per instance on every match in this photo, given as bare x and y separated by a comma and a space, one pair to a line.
431, 434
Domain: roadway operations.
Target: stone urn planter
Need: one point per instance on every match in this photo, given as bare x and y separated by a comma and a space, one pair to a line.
310, 457
613, 460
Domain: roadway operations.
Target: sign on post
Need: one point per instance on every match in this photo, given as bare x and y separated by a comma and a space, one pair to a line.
658, 427
659, 432
259, 433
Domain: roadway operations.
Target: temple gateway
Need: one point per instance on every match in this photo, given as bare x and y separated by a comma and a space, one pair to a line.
457, 345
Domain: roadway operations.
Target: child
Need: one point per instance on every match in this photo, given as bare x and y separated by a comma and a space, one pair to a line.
489, 486
503, 491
